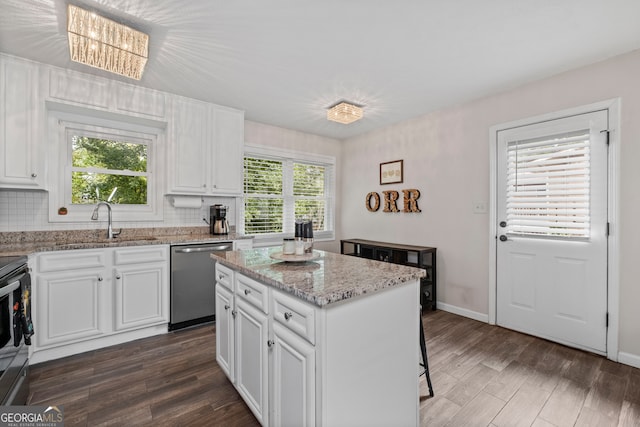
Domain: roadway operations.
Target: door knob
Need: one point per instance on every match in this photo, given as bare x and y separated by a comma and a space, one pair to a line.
503, 238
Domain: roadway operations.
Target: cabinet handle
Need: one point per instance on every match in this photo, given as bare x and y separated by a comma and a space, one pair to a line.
247, 291
99, 278
118, 276
204, 185
233, 313
270, 343
226, 307
288, 315
34, 175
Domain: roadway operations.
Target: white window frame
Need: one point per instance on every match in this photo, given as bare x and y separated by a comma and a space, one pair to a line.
288, 157
60, 125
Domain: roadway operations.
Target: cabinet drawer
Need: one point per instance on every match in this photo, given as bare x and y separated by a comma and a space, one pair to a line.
253, 292
224, 276
296, 315
140, 255
71, 260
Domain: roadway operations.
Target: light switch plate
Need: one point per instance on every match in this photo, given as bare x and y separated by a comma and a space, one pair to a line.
479, 207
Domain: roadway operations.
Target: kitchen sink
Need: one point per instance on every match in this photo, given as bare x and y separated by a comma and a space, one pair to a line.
128, 239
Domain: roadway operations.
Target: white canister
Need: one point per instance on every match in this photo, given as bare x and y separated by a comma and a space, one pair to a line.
288, 246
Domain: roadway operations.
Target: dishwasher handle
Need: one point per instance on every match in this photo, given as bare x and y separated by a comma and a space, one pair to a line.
217, 248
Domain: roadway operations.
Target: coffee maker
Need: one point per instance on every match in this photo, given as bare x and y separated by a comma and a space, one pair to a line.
218, 219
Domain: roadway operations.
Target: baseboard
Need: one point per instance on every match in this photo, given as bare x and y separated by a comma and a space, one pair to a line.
629, 359
481, 317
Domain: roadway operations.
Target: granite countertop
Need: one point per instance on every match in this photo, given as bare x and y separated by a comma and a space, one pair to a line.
328, 279
29, 242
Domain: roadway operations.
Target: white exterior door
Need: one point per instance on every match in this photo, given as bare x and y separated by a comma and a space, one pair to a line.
552, 230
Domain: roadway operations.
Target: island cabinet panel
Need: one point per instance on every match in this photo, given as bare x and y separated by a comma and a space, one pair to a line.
92, 298
252, 358
367, 344
353, 361
292, 392
225, 331
224, 277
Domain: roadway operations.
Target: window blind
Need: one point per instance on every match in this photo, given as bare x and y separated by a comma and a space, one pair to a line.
278, 191
264, 201
548, 186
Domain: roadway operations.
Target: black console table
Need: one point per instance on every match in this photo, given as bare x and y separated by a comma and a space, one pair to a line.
414, 256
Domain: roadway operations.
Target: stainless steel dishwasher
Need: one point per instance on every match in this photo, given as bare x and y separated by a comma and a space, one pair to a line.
193, 283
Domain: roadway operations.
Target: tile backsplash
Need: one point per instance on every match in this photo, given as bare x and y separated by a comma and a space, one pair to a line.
28, 211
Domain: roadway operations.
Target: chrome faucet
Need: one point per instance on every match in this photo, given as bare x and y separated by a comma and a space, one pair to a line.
110, 233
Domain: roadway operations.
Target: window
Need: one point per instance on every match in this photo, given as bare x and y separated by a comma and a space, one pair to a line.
548, 186
280, 187
103, 159
104, 167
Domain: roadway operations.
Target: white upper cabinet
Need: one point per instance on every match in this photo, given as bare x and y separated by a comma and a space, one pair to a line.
139, 100
21, 166
98, 93
206, 149
79, 88
189, 139
229, 150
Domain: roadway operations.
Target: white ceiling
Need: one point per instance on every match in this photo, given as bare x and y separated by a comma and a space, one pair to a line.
285, 61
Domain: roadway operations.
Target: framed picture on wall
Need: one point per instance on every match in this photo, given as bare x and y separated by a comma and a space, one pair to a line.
391, 172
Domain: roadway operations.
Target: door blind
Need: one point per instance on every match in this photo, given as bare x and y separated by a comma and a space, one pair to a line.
548, 186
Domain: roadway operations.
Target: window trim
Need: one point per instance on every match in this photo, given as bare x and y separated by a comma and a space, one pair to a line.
59, 124
300, 157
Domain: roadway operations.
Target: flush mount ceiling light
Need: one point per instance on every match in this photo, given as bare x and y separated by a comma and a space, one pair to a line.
102, 43
345, 113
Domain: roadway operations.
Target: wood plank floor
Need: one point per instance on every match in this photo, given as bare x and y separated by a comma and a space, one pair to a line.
482, 376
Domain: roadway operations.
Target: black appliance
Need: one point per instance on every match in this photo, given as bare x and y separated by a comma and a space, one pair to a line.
218, 220
16, 329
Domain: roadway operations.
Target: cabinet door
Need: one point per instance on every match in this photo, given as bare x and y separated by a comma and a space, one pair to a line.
228, 163
225, 334
71, 306
191, 139
79, 88
141, 295
140, 100
292, 392
251, 359
20, 165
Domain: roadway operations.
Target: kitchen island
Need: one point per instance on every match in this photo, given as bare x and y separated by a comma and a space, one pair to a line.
327, 342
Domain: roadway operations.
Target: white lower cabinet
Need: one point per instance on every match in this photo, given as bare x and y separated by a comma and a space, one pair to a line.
259, 347
92, 298
252, 358
140, 287
292, 391
70, 306
225, 335
296, 364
